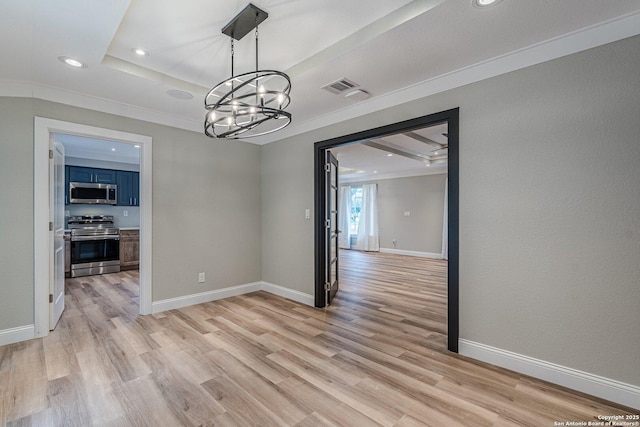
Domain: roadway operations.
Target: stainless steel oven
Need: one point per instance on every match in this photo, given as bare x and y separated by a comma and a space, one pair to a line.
95, 245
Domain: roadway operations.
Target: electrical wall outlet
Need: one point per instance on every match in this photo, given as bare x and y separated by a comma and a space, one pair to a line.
407, 213
394, 241
201, 278
125, 213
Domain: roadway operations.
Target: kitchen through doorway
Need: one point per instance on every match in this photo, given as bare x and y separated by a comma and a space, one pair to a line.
102, 217
107, 211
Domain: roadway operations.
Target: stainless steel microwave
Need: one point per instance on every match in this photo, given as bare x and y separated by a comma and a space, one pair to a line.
94, 194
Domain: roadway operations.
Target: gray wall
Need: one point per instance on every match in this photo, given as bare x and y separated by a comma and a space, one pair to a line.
200, 221
287, 237
423, 197
16, 213
549, 208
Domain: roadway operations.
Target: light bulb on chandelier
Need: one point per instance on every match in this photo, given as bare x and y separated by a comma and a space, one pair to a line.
250, 104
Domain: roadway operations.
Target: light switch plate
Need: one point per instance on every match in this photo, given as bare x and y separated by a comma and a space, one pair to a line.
201, 278
407, 213
307, 214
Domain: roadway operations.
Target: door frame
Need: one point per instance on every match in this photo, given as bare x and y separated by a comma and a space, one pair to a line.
43, 128
452, 118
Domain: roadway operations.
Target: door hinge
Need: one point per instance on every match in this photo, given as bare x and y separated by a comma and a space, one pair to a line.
51, 154
327, 167
50, 298
50, 226
327, 286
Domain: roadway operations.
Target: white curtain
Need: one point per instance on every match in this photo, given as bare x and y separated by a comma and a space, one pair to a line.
344, 213
445, 222
368, 236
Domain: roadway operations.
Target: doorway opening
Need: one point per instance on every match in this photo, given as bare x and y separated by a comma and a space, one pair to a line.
46, 133
102, 238
323, 201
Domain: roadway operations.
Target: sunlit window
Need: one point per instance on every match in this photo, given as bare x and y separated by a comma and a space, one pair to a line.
356, 204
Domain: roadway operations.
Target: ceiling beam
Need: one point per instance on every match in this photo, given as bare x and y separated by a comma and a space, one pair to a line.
424, 140
396, 151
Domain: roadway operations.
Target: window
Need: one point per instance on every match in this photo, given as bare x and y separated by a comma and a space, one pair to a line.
356, 205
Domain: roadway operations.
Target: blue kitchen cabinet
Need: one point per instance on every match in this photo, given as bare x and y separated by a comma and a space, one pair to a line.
128, 188
135, 188
104, 176
80, 174
95, 175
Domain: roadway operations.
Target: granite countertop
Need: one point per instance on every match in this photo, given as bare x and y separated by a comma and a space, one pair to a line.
129, 228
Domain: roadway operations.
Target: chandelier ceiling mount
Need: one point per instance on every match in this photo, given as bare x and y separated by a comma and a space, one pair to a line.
249, 104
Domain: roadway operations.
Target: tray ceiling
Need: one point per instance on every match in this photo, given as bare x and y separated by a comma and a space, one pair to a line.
393, 50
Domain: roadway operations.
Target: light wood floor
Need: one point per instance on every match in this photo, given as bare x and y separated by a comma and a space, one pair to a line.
376, 357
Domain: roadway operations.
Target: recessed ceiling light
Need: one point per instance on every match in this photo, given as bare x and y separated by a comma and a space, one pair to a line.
113, 149
179, 94
428, 164
140, 52
485, 3
389, 155
72, 62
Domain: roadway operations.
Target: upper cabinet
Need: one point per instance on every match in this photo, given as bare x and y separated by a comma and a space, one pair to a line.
128, 188
128, 182
96, 175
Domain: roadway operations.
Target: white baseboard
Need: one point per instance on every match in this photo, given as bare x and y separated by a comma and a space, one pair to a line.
291, 294
605, 388
13, 335
187, 300
411, 253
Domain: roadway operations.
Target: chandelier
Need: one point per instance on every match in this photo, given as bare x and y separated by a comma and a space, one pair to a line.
249, 104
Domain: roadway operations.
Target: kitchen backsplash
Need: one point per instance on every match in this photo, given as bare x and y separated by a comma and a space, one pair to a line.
131, 220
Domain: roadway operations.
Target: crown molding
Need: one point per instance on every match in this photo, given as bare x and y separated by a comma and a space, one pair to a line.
596, 35
577, 41
20, 89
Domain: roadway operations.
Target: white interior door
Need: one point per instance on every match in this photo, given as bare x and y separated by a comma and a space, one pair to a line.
56, 218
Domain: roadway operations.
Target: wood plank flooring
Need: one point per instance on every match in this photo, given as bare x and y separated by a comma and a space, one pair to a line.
377, 356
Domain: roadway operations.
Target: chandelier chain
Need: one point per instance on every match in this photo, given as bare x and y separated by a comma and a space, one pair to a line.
257, 42
232, 52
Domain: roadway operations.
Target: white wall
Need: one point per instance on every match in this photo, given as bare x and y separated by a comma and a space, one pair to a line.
549, 208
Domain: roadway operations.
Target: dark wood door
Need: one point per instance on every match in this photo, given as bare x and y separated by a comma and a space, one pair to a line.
331, 225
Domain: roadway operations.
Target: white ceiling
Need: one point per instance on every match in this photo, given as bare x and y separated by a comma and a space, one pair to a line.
424, 151
396, 50
98, 149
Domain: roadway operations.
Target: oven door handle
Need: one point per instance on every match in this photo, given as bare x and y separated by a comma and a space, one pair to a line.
89, 238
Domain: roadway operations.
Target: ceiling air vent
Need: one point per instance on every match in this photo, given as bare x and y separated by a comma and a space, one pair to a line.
340, 86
